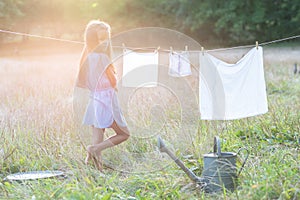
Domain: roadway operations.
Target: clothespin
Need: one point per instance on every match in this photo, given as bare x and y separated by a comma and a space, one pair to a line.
124, 47
202, 50
186, 48
256, 44
171, 49
156, 50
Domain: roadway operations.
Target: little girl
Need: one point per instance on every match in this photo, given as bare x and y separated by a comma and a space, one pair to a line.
98, 75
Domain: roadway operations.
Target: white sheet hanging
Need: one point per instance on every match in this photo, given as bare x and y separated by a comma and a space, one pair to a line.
139, 69
179, 64
232, 91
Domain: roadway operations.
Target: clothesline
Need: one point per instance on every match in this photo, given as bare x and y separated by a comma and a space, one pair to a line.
41, 37
261, 44
154, 48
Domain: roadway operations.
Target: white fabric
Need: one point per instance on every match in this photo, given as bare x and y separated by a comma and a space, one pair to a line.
103, 107
139, 69
179, 64
97, 79
232, 91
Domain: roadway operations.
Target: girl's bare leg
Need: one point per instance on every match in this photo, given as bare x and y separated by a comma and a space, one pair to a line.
122, 134
97, 138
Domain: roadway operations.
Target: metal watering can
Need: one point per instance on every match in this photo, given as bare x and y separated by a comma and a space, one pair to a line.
219, 168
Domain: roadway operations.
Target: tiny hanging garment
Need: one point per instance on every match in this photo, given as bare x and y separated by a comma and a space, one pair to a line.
179, 64
140, 69
232, 91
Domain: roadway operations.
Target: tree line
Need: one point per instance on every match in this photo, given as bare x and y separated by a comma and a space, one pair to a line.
207, 21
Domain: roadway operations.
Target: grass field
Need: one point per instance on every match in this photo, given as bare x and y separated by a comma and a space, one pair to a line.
38, 132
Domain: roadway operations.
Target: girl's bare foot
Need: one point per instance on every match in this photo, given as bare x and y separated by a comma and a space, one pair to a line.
96, 157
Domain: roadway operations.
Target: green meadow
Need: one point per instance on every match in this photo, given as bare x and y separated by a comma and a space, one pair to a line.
38, 132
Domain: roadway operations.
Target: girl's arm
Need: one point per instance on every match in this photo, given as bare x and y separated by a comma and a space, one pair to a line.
111, 74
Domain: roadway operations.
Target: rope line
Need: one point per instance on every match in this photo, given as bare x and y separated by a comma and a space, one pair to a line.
262, 44
230, 48
142, 48
280, 40
42, 37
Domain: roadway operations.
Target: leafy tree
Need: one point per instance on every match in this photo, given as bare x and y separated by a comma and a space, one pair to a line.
9, 11
208, 21
231, 21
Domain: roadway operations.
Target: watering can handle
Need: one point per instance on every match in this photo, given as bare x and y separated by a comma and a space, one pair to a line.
217, 146
243, 148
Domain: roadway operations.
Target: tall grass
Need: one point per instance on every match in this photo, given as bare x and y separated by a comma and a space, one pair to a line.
38, 132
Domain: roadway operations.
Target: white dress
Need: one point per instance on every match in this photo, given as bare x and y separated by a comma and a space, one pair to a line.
103, 107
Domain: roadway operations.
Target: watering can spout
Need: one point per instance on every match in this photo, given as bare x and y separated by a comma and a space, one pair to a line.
162, 148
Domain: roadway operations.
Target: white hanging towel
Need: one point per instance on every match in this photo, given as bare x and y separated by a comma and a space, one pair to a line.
179, 64
140, 69
232, 91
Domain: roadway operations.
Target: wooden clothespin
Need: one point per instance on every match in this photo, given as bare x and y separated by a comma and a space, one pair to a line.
156, 50
186, 48
171, 49
256, 44
202, 50
124, 47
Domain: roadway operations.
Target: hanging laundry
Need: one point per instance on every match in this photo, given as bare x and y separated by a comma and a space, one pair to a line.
140, 69
179, 64
232, 91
